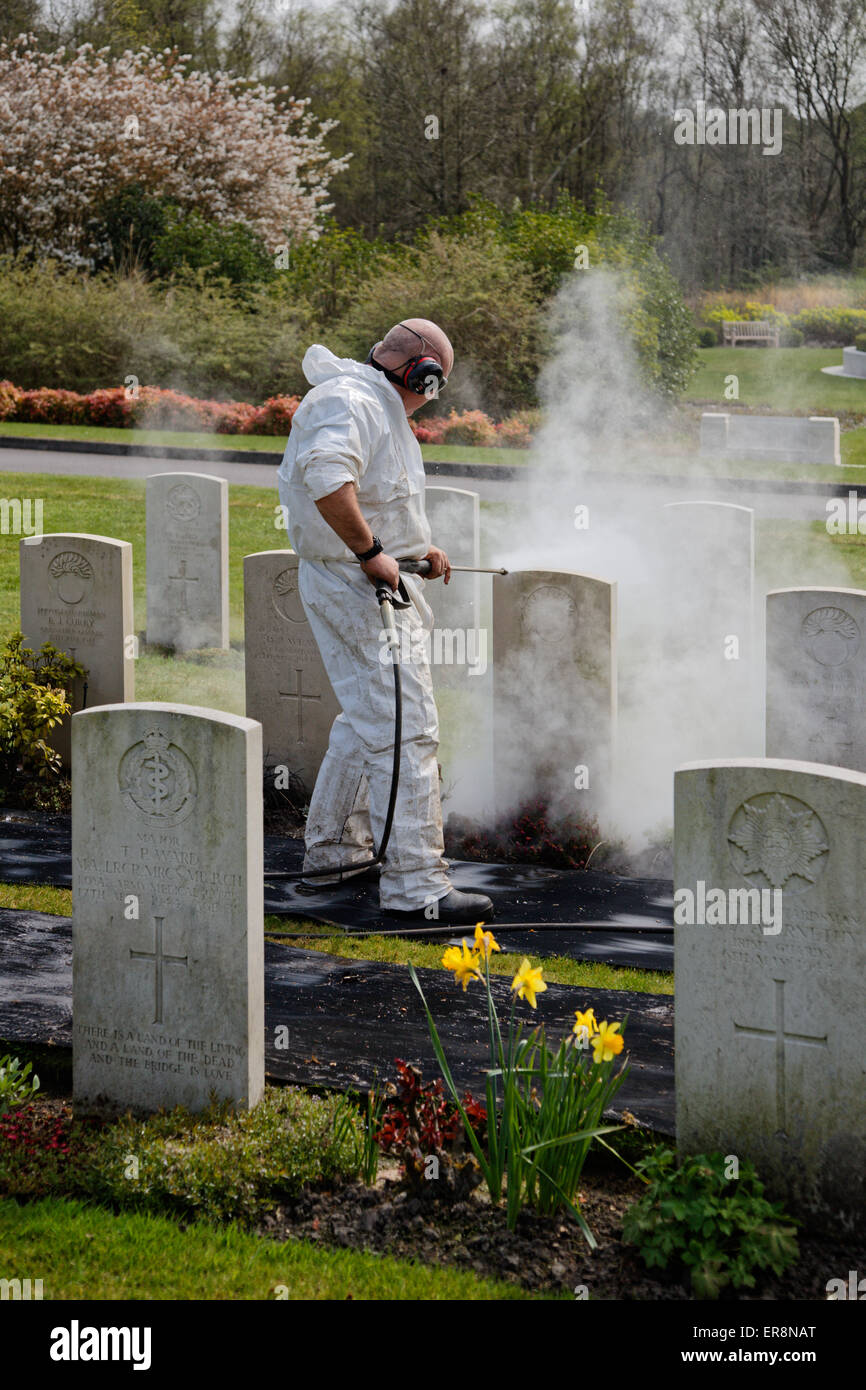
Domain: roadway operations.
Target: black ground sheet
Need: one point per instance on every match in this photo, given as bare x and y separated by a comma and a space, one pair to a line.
587, 916
347, 1021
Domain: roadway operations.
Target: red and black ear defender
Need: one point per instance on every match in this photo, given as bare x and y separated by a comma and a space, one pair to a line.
416, 374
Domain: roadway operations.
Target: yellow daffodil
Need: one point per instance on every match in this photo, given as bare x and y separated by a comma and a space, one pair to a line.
607, 1042
528, 982
485, 942
463, 962
585, 1026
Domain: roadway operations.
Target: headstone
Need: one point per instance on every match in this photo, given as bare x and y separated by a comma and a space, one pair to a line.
816, 676
776, 438
287, 687
554, 689
454, 516
187, 561
76, 592
168, 974
703, 616
769, 1012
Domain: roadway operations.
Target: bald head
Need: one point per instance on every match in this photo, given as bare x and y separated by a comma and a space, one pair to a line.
402, 342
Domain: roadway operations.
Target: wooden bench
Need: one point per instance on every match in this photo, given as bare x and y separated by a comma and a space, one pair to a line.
749, 331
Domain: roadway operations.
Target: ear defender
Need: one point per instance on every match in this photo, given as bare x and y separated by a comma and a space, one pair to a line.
414, 375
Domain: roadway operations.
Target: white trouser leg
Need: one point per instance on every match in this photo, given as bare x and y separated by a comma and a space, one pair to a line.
346, 623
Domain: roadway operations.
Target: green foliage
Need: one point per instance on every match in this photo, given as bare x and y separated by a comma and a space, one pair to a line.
486, 303
198, 335
860, 342
16, 1083
707, 338
720, 1229
231, 252
224, 1165
327, 273
34, 698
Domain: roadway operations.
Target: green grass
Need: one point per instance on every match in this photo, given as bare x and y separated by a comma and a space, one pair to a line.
83, 1252
394, 949
788, 380
267, 443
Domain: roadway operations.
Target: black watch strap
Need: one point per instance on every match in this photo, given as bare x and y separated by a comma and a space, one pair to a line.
375, 549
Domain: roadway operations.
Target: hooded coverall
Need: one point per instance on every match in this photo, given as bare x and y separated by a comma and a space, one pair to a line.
352, 427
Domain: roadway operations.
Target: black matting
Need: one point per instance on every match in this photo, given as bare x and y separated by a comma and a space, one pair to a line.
632, 918
348, 1020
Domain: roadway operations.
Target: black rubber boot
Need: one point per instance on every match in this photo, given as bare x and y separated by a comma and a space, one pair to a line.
462, 909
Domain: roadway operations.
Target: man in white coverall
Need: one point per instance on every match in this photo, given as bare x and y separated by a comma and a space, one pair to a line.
352, 485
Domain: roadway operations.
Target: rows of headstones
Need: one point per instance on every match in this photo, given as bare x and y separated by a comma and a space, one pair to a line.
167, 821
554, 642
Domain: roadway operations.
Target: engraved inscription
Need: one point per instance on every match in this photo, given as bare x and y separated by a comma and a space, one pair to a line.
286, 599
183, 502
300, 695
160, 959
781, 1039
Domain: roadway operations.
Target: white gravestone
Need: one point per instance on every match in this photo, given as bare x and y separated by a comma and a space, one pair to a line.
769, 1018
554, 689
76, 592
287, 687
454, 516
187, 561
168, 949
776, 438
816, 676
703, 618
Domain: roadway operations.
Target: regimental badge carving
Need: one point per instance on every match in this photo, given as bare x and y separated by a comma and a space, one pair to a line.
157, 780
72, 574
286, 598
549, 612
830, 635
778, 841
183, 502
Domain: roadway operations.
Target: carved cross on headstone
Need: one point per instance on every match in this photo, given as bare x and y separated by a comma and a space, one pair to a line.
781, 1040
159, 959
300, 696
183, 578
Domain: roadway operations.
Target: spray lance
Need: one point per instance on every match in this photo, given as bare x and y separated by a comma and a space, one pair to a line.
388, 600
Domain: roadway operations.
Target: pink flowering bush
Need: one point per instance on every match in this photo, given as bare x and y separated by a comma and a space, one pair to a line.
77, 127
149, 408
152, 408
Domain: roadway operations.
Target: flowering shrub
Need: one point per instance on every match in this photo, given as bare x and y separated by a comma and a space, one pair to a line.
150, 408
830, 327
155, 408
76, 128
472, 427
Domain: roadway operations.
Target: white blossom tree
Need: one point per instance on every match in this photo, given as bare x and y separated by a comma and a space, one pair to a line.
77, 127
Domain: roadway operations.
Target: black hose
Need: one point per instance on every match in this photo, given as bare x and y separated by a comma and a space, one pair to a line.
350, 870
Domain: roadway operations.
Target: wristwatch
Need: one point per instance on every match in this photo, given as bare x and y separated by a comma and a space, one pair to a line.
375, 549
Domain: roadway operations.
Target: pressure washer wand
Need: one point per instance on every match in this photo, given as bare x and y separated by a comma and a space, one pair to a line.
423, 567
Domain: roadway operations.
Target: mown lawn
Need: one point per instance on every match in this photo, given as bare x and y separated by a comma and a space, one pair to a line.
267, 443
787, 380
83, 1252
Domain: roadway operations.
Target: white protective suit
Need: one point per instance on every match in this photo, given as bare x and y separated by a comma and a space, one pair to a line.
352, 427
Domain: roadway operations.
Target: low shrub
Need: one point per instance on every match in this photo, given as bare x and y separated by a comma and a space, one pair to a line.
860, 342
472, 427
34, 699
708, 338
718, 1228
424, 1129
830, 327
